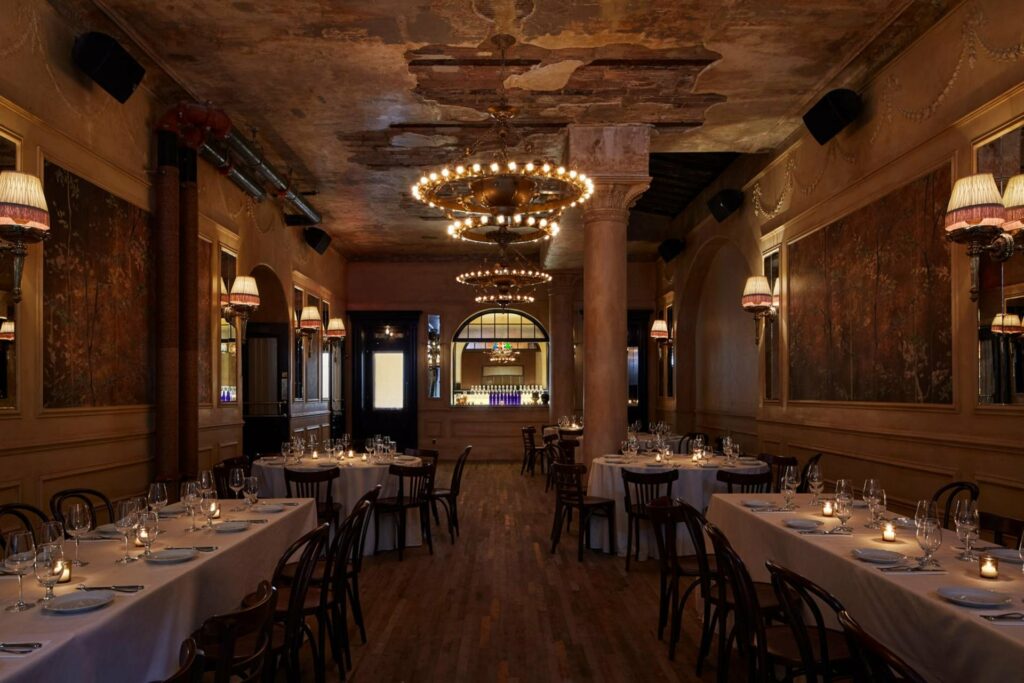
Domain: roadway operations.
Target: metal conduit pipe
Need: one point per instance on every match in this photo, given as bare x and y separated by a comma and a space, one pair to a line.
238, 177
255, 161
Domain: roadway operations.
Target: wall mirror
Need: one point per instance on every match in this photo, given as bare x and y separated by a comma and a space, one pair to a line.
433, 356
313, 364
8, 324
228, 356
771, 333
299, 352
1000, 367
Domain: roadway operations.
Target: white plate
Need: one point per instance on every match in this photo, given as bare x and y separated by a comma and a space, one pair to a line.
174, 509
109, 531
755, 504
79, 601
271, 461
171, 556
878, 556
973, 597
656, 465
265, 508
327, 464
803, 524
749, 461
1003, 554
230, 527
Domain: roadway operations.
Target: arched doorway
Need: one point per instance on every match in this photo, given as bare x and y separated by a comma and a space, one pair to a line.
265, 368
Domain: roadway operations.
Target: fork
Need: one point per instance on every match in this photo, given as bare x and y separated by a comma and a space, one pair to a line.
1008, 616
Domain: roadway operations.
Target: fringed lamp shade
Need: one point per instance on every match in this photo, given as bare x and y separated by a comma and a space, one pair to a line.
335, 328
22, 202
244, 292
757, 294
7, 331
1006, 323
659, 330
310, 319
777, 293
974, 203
1013, 201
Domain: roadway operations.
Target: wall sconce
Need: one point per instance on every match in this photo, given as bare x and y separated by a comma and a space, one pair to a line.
24, 219
659, 332
335, 332
7, 331
243, 299
310, 325
759, 299
978, 217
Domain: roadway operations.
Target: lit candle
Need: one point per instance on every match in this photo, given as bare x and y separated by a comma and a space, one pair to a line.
889, 533
988, 567
65, 575
351, 453
657, 458
316, 456
826, 508
140, 538
364, 457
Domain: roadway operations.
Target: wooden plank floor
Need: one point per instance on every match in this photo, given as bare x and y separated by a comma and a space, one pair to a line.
497, 606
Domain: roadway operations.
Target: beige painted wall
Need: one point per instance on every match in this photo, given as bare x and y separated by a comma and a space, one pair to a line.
918, 116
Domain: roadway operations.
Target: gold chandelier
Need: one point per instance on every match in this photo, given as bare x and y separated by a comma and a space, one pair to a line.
504, 284
501, 200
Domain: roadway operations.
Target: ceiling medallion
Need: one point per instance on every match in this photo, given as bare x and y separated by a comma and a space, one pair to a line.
498, 199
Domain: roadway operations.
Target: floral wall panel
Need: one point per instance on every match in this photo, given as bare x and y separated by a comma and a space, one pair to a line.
869, 302
205, 322
98, 297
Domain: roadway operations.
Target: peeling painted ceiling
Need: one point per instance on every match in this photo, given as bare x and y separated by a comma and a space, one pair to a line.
356, 98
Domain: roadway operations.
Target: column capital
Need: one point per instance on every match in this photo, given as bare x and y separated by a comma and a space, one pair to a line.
614, 196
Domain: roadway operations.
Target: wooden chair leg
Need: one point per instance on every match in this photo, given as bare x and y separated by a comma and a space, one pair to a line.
582, 535
400, 541
556, 527
629, 543
425, 516
611, 530
376, 531
357, 607
707, 631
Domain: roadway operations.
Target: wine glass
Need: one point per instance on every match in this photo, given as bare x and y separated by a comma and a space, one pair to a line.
210, 507
370, 444
843, 511
236, 479
790, 483
966, 522
19, 557
190, 494
125, 521
157, 497
149, 527
207, 482
879, 507
48, 566
815, 482
50, 533
78, 518
844, 489
251, 490
926, 509
868, 493
929, 537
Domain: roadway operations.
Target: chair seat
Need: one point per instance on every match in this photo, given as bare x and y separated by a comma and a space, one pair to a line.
441, 493
765, 596
596, 501
288, 573
782, 646
284, 596
689, 566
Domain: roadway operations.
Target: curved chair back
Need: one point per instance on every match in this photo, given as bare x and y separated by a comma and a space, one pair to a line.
428, 457
190, 664
875, 662
952, 491
568, 481
460, 466
813, 460
414, 483
643, 487
370, 497
220, 636
695, 522
90, 497
346, 540
666, 516
221, 471
317, 485
28, 517
529, 440
777, 465
746, 482
309, 548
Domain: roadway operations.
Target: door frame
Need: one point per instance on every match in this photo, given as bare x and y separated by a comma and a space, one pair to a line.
363, 323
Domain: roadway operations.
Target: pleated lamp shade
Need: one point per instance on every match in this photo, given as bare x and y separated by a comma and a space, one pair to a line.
310, 318
7, 331
244, 292
335, 328
22, 201
757, 294
975, 202
1013, 202
1006, 323
659, 329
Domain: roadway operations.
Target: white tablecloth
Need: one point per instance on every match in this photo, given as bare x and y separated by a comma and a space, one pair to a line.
355, 480
942, 641
138, 636
695, 485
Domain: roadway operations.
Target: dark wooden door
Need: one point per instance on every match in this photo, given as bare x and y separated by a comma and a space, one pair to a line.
384, 376
265, 388
638, 325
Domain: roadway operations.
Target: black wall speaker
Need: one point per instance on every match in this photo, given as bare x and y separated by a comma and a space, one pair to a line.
724, 202
834, 111
317, 239
669, 249
107, 63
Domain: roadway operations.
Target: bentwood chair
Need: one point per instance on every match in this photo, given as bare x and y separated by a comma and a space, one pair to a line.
804, 486
874, 662
569, 496
221, 472
640, 488
810, 650
318, 485
190, 664
356, 565
413, 494
531, 451
1006, 531
555, 455
746, 482
952, 491
90, 497
433, 458
449, 497
777, 465
28, 517
235, 646
666, 515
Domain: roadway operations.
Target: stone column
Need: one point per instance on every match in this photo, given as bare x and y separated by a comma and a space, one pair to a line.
167, 224
188, 386
561, 294
616, 157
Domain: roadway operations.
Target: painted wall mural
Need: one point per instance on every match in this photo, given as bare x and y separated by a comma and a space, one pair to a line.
869, 302
98, 292
205, 321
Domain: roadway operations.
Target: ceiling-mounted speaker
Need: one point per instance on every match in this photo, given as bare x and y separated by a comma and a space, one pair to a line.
317, 239
724, 202
834, 111
107, 63
669, 249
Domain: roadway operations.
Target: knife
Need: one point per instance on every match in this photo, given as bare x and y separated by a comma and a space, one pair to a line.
923, 570
197, 548
250, 521
1009, 616
22, 646
127, 588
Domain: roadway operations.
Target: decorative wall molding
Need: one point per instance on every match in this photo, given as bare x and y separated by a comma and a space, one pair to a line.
75, 442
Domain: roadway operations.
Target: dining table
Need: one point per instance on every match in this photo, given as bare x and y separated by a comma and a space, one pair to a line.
136, 636
696, 483
356, 477
920, 615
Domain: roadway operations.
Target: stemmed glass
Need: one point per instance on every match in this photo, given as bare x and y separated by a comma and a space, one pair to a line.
207, 482
843, 511
869, 493
815, 482
346, 440
877, 507
929, 537
125, 521
209, 505
18, 559
790, 483
190, 498
251, 491
149, 527
926, 509
236, 480
48, 566
966, 520
51, 533
79, 521
157, 497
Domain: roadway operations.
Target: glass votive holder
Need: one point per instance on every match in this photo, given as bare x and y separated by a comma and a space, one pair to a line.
889, 533
988, 567
827, 508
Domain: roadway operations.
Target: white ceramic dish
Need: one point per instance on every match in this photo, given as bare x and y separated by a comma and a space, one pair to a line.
1003, 555
904, 523
756, 504
265, 508
77, 602
230, 527
108, 531
878, 556
171, 556
803, 524
974, 597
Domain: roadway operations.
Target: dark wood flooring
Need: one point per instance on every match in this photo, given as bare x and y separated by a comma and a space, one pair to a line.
497, 606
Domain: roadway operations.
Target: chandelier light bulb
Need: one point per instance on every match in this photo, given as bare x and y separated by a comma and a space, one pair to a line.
512, 166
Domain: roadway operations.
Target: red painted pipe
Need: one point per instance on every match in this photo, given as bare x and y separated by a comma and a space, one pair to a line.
194, 121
